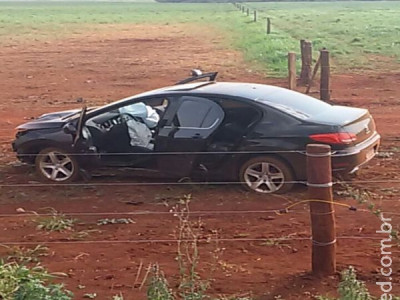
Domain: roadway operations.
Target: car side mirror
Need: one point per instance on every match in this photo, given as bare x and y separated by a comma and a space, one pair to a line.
69, 128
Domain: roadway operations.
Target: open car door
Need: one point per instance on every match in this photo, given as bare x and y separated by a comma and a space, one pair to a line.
186, 134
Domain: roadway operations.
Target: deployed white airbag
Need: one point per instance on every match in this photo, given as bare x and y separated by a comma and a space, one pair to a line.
139, 132
149, 116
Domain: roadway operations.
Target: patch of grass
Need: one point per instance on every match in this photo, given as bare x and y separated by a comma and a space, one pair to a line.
56, 222
20, 282
396, 235
158, 288
280, 243
27, 255
266, 53
351, 288
361, 195
80, 235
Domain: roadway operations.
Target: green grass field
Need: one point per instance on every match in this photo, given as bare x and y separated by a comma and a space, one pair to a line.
357, 33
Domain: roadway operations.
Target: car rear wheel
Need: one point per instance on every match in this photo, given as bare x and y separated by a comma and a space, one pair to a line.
56, 165
266, 175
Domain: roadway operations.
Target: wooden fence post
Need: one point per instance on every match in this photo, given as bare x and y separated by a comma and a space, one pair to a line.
268, 25
316, 67
292, 70
306, 61
325, 74
255, 16
319, 181
243, 9
248, 11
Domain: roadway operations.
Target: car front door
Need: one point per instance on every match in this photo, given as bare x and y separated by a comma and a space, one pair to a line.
186, 134
82, 143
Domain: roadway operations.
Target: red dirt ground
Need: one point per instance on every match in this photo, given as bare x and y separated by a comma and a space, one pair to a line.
118, 61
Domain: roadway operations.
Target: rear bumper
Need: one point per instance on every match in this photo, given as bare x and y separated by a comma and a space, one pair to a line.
348, 161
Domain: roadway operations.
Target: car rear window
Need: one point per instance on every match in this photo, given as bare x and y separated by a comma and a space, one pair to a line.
294, 103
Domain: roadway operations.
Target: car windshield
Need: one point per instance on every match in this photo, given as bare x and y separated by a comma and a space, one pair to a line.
294, 103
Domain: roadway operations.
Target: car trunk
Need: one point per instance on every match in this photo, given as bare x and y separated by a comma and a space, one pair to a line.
363, 127
352, 120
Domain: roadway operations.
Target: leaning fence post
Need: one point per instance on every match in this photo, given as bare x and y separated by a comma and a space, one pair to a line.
292, 70
268, 25
325, 74
319, 181
255, 16
306, 61
314, 73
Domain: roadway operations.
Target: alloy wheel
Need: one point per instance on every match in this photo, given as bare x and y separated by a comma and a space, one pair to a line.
56, 166
264, 177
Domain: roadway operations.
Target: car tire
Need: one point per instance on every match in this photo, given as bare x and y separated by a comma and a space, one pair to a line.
267, 175
56, 165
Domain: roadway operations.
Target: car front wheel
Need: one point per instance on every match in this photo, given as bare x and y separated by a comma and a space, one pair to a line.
266, 175
56, 165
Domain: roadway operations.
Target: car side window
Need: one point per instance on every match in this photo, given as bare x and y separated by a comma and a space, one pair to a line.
239, 117
199, 113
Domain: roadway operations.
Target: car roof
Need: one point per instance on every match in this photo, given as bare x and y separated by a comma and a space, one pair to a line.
288, 101
291, 102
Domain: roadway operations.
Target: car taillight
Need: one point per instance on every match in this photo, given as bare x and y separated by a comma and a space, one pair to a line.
334, 138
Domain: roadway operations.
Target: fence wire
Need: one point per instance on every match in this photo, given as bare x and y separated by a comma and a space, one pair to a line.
171, 153
278, 211
172, 183
154, 241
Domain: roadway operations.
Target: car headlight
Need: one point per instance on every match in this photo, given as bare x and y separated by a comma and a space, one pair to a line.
20, 133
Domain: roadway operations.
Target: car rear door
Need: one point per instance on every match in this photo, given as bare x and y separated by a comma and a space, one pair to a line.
186, 134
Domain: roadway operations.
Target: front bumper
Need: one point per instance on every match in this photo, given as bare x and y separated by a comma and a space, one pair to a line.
348, 161
22, 156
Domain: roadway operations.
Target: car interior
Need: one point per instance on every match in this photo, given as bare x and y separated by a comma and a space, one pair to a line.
238, 120
110, 134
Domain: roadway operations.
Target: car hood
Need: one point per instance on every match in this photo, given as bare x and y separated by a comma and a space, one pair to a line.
49, 120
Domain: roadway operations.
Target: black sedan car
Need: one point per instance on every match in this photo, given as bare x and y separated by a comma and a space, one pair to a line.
228, 132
